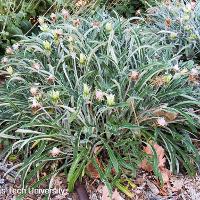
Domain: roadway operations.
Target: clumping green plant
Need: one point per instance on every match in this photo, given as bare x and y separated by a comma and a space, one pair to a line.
96, 90
177, 23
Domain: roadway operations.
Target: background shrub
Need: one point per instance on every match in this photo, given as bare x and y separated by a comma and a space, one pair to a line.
129, 8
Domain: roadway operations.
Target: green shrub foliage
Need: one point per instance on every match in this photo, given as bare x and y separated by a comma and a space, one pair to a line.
128, 8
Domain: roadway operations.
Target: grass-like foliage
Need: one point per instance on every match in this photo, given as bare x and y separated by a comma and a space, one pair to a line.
97, 90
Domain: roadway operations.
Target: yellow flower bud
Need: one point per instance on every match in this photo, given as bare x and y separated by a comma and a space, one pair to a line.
47, 45
186, 18
86, 90
55, 95
184, 71
110, 99
167, 78
173, 36
193, 37
10, 70
109, 27
82, 58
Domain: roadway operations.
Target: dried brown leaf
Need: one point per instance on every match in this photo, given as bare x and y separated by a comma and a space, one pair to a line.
160, 153
105, 194
166, 174
92, 171
177, 184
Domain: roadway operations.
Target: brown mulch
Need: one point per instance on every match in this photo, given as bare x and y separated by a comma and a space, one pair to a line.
180, 188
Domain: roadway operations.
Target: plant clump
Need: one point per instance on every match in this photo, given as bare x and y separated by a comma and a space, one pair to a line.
77, 94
